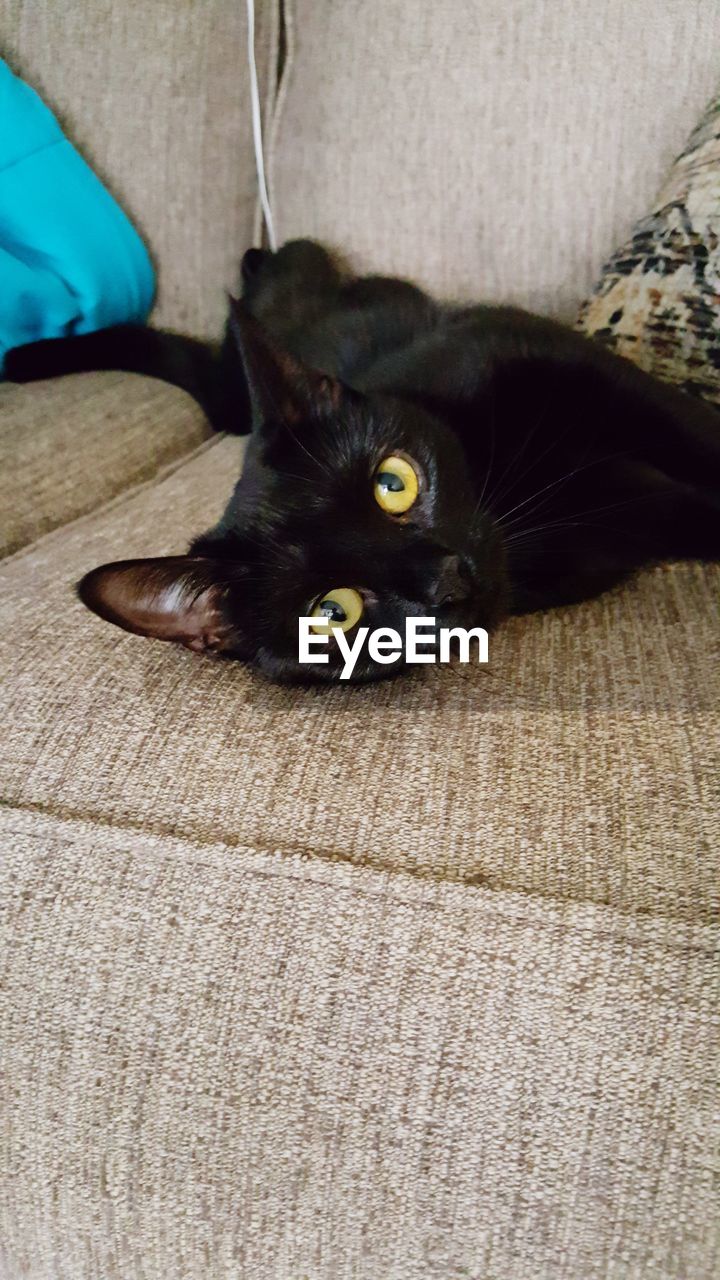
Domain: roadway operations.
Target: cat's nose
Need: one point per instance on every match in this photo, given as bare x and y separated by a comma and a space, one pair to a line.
450, 583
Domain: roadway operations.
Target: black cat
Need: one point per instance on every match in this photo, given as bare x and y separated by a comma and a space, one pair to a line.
406, 459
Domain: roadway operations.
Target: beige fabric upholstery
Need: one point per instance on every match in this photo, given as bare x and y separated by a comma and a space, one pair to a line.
408, 981
227, 1065
533, 774
156, 97
501, 148
68, 445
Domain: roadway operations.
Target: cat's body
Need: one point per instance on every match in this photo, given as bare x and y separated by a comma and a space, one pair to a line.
545, 468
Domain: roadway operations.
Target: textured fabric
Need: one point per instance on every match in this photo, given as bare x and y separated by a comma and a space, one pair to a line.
657, 301
68, 445
156, 97
70, 260
226, 1066
488, 149
580, 764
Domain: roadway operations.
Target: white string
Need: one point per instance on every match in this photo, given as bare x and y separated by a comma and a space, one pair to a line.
257, 127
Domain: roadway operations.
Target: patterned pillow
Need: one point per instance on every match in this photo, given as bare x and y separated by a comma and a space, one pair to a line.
658, 301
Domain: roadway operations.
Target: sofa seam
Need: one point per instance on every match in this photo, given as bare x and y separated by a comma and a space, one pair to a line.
163, 473
270, 853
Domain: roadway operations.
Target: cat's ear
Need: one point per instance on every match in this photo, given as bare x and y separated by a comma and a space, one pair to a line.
176, 598
281, 388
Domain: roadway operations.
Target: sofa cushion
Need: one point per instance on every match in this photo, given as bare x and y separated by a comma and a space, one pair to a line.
70, 444
578, 766
225, 1064
499, 149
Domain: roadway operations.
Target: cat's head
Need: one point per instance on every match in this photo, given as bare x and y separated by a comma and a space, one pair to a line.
350, 507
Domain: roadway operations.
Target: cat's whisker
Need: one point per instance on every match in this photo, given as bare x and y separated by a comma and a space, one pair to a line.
493, 439
570, 520
553, 484
497, 493
518, 539
290, 475
554, 443
305, 450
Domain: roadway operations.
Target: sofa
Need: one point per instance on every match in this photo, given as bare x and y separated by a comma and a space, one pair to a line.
411, 981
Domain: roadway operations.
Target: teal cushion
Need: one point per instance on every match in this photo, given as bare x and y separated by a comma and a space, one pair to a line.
70, 261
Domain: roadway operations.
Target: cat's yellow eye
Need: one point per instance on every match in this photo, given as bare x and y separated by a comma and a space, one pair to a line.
395, 485
342, 608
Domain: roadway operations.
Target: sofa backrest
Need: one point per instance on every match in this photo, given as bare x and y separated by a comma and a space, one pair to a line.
488, 148
496, 148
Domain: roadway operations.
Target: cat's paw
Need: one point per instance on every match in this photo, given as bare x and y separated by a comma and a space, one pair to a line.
252, 262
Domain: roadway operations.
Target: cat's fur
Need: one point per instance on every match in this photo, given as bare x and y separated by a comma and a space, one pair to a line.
549, 467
